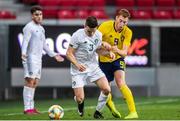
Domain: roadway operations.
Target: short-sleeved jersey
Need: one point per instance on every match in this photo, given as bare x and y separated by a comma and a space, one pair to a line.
34, 43
85, 50
114, 38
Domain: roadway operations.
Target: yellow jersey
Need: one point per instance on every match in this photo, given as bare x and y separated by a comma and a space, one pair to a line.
114, 38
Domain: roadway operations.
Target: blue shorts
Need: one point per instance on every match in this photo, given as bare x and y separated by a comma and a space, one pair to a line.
110, 67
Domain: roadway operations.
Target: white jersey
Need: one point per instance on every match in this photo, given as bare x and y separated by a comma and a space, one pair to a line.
34, 43
85, 50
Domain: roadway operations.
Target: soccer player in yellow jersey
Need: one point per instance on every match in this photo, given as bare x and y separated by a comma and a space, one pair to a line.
118, 35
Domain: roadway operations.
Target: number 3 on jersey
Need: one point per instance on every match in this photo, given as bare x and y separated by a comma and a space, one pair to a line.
91, 47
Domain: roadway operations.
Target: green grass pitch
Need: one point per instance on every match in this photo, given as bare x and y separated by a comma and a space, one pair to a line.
152, 108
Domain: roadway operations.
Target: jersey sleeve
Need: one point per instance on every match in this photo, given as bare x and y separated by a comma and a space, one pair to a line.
47, 50
128, 37
74, 41
26, 38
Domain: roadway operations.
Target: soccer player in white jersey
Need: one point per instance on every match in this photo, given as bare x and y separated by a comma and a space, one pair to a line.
32, 48
82, 52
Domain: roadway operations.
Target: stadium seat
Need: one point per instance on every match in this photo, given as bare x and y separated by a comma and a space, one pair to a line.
98, 3
66, 14
67, 3
48, 2
165, 3
82, 14
145, 3
7, 15
178, 2
99, 14
141, 14
50, 13
176, 14
83, 3
125, 3
162, 14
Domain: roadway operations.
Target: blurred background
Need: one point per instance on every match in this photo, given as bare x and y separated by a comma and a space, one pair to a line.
153, 61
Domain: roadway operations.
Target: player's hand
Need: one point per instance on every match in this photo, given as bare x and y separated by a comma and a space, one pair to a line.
106, 45
81, 67
23, 57
59, 58
115, 49
112, 55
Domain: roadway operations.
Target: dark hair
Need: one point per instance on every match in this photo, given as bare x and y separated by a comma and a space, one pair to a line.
91, 22
123, 12
35, 8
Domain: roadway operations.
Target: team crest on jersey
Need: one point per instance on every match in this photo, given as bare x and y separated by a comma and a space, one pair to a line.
96, 41
30, 73
74, 83
122, 38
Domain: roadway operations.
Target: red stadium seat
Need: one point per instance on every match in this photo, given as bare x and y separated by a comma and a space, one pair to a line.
99, 14
98, 3
162, 14
141, 14
176, 14
125, 3
66, 14
50, 13
7, 15
81, 14
67, 3
178, 2
145, 3
48, 2
166, 3
83, 3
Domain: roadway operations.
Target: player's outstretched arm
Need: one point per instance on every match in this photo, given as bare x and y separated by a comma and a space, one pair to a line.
104, 52
106, 45
59, 58
123, 52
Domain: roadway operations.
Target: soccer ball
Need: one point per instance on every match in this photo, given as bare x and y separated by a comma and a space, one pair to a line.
55, 112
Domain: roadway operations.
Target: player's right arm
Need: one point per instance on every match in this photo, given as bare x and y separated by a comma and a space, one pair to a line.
70, 55
26, 39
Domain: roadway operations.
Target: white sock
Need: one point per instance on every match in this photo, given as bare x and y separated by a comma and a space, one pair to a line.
27, 97
32, 101
101, 102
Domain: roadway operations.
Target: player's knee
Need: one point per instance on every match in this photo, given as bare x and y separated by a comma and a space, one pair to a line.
79, 99
106, 91
30, 82
35, 83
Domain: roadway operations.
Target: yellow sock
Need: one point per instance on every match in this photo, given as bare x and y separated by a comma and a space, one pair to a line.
110, 103
126, 92
112, 108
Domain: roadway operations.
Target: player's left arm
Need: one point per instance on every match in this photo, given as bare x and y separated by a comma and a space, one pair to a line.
103, 51
123, 52
52, 53
126, 43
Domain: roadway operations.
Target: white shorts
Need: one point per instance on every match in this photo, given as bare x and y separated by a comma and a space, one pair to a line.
32, 70
80, 80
